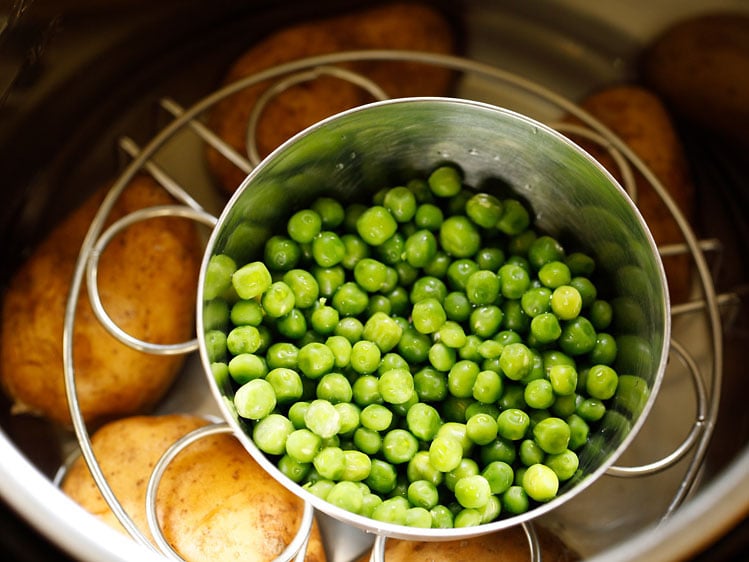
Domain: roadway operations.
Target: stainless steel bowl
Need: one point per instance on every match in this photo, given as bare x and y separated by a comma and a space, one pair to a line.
355, 153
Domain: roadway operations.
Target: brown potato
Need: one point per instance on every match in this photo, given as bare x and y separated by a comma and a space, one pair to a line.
639, 118
214, 501
409, 26
700, 67
147, 282
509, 545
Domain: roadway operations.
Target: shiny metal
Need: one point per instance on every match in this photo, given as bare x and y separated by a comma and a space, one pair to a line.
707, 306
355, 153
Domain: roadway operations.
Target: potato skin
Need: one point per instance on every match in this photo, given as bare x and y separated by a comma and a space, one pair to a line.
640, 119
214, 501
509, 545
410, 26
700, 67
147, 282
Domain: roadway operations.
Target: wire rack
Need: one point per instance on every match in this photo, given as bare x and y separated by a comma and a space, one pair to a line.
707, 306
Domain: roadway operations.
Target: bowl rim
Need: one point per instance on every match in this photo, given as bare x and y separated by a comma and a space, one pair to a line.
401, 531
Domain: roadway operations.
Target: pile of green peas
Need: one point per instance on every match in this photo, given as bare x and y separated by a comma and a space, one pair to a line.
427, 358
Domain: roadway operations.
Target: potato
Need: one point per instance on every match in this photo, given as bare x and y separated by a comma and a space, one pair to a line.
639, 118
147, 281
510, 545
214, 501
700, 67
396, 26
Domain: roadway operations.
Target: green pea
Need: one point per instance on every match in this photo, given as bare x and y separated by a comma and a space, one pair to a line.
281, 253
330, 210
251, 280
350, 300
304, 286
601, 314
485, 321
328, 279
304, 225
566, 302
366, 390
303, 445
315, 359
428, 287
580, 264
513, 424
396, 386
539, 394
487, 387
414, 346
552, 435
530, 453
515, 217
391, 250
563, 379
246, 367
429, 217
564, 464
286, 383
368, 441
554, 274
461, 378
376, 225
428, 315
350, 328
459, 237
323, 419
420, 248
420, 188
544, 249
271, 432
330, 462
365, 357
437, 266
540, 483
423, 493
423, 421
499, 475
383, 330
445, 453
482, 287
501, 449
545, 328
481, 428
255, 399
399, 446
445, 181
536, 300
516, 361
356, 250
484, 209
430, 384
515, 500
514, 280
601, 382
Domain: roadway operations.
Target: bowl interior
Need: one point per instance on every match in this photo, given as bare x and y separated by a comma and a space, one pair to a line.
354, 154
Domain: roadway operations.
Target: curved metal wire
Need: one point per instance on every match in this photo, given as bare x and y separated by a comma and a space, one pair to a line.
692, 437
296, 548
92, 276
